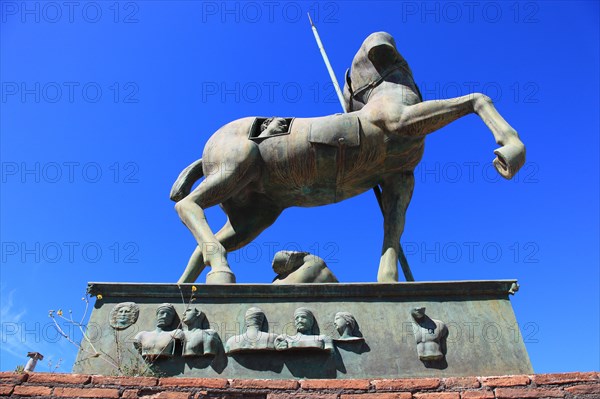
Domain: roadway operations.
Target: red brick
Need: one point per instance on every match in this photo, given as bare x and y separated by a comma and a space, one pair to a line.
17, 378
564, 378
264, 384
335, 384
6, 389
124, 381
584, 389
86, 392
130, 394
149, 391
21, 390
171, 395
45, 378
516, 393
506, 381
477, 395
193, 382
10, 374
386, 395
406, 384
461, 382
301, 395
437, 395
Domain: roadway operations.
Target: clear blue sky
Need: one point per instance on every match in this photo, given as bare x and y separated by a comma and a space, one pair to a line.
104, 103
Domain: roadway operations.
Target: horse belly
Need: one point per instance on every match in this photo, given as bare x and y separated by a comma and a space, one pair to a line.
362, 167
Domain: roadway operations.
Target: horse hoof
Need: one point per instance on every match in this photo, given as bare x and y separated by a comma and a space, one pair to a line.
220, 277
509, 159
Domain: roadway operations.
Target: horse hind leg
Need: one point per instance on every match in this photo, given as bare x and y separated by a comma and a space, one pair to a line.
248, 222
215, 189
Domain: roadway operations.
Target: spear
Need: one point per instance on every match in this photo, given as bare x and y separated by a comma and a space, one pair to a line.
328, 64
377, 190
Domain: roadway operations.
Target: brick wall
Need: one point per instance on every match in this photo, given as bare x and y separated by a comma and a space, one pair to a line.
565, 385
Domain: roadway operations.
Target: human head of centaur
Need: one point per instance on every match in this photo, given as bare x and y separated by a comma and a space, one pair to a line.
376, 66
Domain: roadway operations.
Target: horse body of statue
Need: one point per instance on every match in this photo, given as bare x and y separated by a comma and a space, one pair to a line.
257, 167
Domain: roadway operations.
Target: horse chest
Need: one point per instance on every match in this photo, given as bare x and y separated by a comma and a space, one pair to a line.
402, 154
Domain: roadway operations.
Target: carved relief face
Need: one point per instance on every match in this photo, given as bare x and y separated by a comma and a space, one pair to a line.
193, 318
340, 323
123, 315
418, 313
189, 315
303, 323
164, 318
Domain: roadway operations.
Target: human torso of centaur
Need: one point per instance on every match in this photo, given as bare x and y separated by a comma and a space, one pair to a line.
323, 159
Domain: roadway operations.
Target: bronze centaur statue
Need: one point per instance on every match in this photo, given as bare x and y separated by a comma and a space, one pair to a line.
257, 167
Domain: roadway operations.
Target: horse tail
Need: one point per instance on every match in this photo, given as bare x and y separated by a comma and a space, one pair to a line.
183, 185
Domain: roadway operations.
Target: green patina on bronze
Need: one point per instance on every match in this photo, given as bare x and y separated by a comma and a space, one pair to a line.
358, 330
257, 167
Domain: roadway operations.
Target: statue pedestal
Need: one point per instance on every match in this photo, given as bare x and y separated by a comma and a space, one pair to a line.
483, 335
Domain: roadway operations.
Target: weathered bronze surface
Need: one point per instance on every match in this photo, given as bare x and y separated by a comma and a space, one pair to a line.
372, 331
305, 338
347, 327
161, 342
257, 167
197, 339
430, 336
255, 337
124, 315
295, 267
